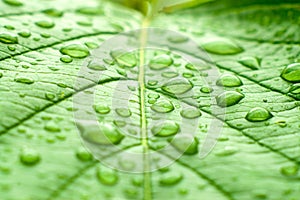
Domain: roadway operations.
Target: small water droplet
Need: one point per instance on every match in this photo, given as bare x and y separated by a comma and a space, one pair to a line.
119, 123
289, 170
50, 96
52, 12
152, 83
229, 80
75, 51
11, 48
222, 47
250, 62
165, 129
29, 156
85, 23
16, 3
123, 112
101, 109
90, 11
295, 89
163, 106
24, 80
66, 59
96, 66
9, 27
45, 24
229, 98
124, 59
206, 89
186, 144
25, 34
52, 127
45, 35
104, 134
170, 179
258, 114
190, 113
160, 62
83, 155
91, 45
8, 38
291, 73
107, 176
227, 151
153, 96
178, 39
169, 74
177, 86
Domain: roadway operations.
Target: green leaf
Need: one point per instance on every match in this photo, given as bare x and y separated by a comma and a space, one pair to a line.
49, 84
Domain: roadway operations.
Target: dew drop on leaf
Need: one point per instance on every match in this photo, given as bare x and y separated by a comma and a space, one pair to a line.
52, 12
83, 155
101, 109
163, 106
123, 112
45, 24
66, 59
170, 179
190, 113
165, 129
222, 47
177, 86
289, 170
295, 89
75, 51
52, 127
96, 66
186, 144
160, 62
291, 73
107, 176
229, 80
206, 89
29, 156
7, 38
16, 3
258, 114
250, 62
24, 80
169, 74
178, 39
229, 98
153, 95
124, 59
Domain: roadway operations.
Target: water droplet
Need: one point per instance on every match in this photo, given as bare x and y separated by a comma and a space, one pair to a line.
229, 98
227, 151
178, 39
250, 62
104, 134
229, 80
85, 23
124, 59
222, 47
153, 96
52, 127
16, 3
83, 155
291, 73
11, 48
50, 96
45, 35
163, 106
190, 113
170, 179
75, 51
9, 27
123, 112
169, 74
90, 11
24, 80
258, 114
52, 12
165, 129
1, 74
8, 38
91, 45
96, 66
206, 89
186, 144
119, 123
107, 176
45, 24
177, 86
152, 83
66, 59
29, 156
160, 62
295, 89
289, 170
24, 34
101, 109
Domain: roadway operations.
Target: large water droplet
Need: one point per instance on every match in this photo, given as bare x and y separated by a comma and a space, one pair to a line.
165, 129
107, 176
8, 38
104, 134
250, 62
186, 144
229, 98
96, 66
16, 3
124, 59
101, 109
177, 86
29, 156
123, 112
83, 155
170, 179
45, 24
163, 106
222, 47
291, 73
258, 114
229, 80
75, 51
24, 80
190, 113
161, 62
